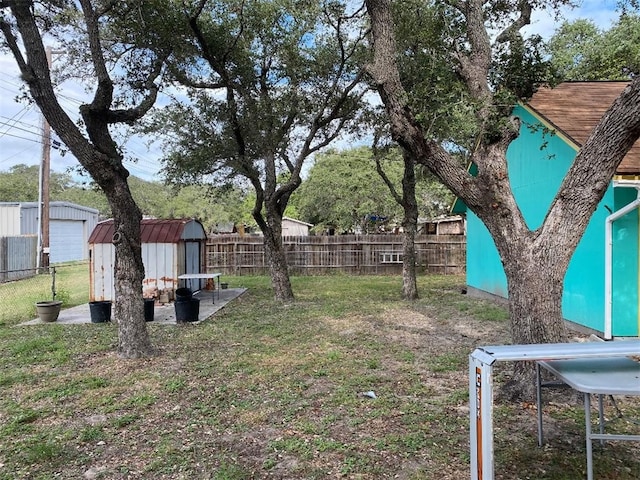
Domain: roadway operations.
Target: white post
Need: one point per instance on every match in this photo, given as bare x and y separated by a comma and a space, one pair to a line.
608, 261
481, 413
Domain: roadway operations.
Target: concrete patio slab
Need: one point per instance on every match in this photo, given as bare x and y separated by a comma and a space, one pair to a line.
163, 313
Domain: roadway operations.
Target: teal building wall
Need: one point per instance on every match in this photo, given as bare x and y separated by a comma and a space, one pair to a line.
537, 162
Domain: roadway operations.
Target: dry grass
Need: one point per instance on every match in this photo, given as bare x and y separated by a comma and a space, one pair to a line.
264, 390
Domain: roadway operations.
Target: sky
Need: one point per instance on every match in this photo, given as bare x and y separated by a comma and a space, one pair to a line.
21, 122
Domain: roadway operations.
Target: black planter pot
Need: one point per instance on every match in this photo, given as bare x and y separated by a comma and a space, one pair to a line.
183, 294
149, 309
100, 311
187, 310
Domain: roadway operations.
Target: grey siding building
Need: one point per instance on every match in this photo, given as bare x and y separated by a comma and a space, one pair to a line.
69, 227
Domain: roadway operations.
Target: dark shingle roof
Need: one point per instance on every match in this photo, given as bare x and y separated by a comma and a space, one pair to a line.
575, 108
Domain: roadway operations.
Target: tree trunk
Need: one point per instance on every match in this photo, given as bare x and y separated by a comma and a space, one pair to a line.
133, 338
409, 225
409, 283
278, 269
535, 285
535, 300
274, 253
534, 262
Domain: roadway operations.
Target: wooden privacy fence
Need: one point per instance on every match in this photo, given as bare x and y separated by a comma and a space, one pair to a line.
352, 254
18, 257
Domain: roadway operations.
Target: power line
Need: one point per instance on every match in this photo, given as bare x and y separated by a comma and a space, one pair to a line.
139, 161
19, 153
22, 122
21, 138
15, 127
20, 114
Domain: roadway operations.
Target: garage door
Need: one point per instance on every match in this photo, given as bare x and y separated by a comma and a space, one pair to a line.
66, 241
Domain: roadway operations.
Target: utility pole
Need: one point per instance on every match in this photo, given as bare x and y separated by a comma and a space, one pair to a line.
45, 175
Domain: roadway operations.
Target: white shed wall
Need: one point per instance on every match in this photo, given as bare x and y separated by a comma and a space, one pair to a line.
291, 228
161, 269
103, 258
10, 220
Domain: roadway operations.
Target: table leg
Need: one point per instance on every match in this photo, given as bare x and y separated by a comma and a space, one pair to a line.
587, 420
539, 404
601, 416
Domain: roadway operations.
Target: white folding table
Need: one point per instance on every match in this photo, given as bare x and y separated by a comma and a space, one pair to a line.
481, 362
200, 276
598, 376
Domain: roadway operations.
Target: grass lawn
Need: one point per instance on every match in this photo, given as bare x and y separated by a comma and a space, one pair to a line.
18, 299
265, 390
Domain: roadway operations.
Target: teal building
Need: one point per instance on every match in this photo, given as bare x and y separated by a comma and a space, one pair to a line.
601, 288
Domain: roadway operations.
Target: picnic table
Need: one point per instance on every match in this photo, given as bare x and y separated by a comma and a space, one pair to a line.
200, 276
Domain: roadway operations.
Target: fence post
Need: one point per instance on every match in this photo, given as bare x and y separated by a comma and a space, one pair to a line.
4, 256
53, 283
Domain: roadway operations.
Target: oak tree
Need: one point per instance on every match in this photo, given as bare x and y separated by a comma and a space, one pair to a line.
24, 24
269, 83
581, 51
535, 260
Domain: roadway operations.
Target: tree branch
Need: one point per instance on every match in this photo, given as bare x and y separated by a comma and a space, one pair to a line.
108, 6
474, 67
104, 93
512, 31
383, 175
225, 80
132, 114
404, 128
597, 161
12, 43
184, 79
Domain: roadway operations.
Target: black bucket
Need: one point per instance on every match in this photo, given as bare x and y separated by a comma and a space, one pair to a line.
187, 310
148, 309
100, 311
183, 294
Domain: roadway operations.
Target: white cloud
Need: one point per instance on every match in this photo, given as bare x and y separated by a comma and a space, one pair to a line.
601, 12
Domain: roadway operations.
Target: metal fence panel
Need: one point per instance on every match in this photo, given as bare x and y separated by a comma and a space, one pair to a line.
17, 257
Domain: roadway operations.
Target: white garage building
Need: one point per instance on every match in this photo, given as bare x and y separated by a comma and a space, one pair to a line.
69, 227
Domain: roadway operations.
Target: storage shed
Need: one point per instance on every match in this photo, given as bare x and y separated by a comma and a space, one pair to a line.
454, 225
69, 227
293, 227
169, 248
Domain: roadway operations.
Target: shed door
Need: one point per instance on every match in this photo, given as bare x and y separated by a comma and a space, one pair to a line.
66, 240
192, 264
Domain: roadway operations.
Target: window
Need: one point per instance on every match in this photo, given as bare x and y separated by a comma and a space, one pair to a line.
390, 257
